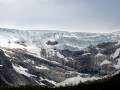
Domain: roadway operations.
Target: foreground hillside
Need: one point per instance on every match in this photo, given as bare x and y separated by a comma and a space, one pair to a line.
111, 83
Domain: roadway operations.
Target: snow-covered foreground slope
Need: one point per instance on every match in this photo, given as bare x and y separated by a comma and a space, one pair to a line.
76, 80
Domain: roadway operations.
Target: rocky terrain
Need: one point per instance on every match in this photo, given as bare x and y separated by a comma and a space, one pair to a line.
56, 58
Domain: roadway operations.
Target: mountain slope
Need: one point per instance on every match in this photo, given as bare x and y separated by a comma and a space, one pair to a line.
51, 58
109, 83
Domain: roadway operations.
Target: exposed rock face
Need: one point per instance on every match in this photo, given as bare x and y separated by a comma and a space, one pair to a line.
89, 60
8, 75
21, 43
20, 68
51, 42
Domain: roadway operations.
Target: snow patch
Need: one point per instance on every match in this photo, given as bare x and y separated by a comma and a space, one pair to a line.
117, 52
54, 62
41, 67
76, 80
59, 55
50, 81
7, 55
21, 70
99, 54
11, 45
105, 62
32, 49
29, 61
117, 66
40, 83
86, 54
1, 65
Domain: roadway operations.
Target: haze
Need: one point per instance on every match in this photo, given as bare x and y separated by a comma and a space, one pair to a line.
69, 15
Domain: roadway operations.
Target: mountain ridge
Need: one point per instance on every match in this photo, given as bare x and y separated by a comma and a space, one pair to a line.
49, 58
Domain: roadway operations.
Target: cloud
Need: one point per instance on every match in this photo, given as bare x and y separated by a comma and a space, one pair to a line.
79, 15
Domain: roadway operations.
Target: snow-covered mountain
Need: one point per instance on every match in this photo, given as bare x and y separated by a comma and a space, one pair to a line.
52, 58
75, 40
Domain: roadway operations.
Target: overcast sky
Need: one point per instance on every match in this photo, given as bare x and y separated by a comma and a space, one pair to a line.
69, 15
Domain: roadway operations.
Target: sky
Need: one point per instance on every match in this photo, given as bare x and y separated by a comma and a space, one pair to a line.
66, 15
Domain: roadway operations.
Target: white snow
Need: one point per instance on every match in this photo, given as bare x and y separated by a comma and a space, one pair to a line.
117, 52
117, 66
99, 54
1, 65
71, 36
21, 70
51, 39
105, 62
50, 81
7, 55
41, 67
31, 48
59, 55
86, 54
75, 81
40, 83
11, 45
29, 61
54, 62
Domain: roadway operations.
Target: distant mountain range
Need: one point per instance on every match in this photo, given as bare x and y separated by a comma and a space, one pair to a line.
56, 58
